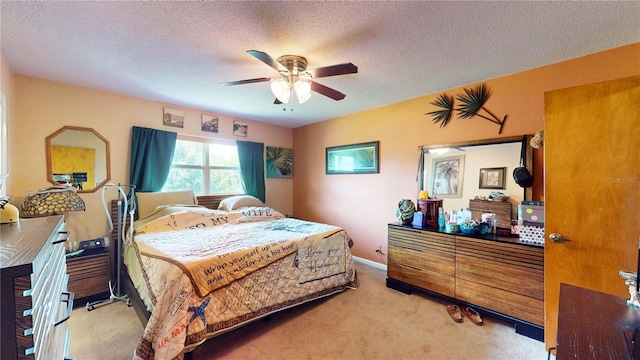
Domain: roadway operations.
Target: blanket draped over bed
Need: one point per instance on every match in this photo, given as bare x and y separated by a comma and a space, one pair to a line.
208, 271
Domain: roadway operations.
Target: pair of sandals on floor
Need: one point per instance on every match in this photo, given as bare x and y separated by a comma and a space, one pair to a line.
457, 313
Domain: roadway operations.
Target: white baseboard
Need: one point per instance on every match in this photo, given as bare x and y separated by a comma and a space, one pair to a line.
370, 263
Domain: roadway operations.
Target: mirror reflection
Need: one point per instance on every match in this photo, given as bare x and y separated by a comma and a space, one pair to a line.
461, 171
78, 157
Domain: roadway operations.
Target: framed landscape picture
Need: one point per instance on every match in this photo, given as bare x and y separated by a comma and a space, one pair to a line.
353, 159
173, 117
240, 128
209, 123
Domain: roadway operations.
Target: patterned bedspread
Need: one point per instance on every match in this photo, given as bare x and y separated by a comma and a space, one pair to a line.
207, 279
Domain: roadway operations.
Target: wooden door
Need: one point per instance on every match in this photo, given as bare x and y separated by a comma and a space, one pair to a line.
592, 182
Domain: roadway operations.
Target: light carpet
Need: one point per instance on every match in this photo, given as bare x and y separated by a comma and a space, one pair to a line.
372, 322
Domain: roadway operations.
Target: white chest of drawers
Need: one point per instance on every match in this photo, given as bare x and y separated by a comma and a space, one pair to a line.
34, 301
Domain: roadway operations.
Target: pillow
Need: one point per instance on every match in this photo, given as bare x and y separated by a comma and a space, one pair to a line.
148, 202
251, 214
239, 201
172, 218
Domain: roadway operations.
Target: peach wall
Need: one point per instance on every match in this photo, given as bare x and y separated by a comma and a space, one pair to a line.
7, 85
42, 107
6, 78
364, 204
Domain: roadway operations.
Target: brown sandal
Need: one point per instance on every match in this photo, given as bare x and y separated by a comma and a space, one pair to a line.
472, 315
454, 312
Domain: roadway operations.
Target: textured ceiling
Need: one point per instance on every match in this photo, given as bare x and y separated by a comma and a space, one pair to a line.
179, 52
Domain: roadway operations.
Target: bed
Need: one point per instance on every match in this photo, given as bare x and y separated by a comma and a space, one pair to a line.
194, 272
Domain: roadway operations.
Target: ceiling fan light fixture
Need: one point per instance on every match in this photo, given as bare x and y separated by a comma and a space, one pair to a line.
303, 90
281, 90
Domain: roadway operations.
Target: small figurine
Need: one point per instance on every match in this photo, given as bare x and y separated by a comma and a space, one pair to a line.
630, 279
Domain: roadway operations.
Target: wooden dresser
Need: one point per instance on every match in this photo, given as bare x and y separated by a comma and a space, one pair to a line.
594, 325
498, 275
35, 303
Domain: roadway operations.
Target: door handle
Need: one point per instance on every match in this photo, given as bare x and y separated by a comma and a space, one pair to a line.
557, 237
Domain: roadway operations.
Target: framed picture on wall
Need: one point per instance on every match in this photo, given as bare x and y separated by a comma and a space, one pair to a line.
447, 174
353, 159
279, 162
209, 123
492, 178
173, 117
240, 128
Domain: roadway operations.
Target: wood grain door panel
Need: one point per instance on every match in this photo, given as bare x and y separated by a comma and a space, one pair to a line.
592, 197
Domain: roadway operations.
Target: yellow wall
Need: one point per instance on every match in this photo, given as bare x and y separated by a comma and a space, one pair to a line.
364, 204
42, 107
67, 160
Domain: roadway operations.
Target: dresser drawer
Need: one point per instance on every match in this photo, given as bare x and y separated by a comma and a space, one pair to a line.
505, 302
89, 274
428, 280
508, 267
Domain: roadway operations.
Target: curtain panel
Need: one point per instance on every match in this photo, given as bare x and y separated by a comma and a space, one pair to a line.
151, 157
251, 156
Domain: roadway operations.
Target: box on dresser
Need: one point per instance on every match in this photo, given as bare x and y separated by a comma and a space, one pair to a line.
35, 303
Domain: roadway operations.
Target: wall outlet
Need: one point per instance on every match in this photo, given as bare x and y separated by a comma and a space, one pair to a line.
378, 248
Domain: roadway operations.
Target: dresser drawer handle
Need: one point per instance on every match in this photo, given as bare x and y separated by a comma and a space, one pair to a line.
65, 238
69, 301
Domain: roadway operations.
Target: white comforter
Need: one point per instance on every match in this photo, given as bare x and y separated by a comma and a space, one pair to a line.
185, 312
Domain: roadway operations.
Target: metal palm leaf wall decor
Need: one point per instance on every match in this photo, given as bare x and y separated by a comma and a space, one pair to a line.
473, 101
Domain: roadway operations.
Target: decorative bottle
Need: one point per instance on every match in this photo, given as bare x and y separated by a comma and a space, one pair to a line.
441, 220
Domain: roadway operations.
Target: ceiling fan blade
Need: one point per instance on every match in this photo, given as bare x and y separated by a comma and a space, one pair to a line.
248, 81
327, 91
265, 58
333, 70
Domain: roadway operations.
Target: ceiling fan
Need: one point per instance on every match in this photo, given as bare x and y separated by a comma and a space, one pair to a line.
295, 77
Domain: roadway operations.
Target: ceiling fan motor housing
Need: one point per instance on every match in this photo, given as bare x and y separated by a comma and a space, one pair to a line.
296, 65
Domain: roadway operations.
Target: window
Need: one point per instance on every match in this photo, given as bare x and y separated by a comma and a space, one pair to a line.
205, 168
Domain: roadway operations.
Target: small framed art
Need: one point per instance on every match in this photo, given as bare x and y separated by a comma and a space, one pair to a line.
173, 117
240, 128
492, 178
209, 123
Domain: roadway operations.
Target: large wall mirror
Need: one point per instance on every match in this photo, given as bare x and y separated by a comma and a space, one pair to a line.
478, 168
78, 157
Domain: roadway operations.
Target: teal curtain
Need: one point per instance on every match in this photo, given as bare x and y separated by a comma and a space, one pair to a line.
251, 156
151, 157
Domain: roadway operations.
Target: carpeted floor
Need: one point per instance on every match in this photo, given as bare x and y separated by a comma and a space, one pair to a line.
372, 322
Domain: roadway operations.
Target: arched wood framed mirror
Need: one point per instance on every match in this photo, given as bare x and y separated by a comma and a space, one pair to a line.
79, 157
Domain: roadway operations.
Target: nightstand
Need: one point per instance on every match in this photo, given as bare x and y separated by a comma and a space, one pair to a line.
89, 274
